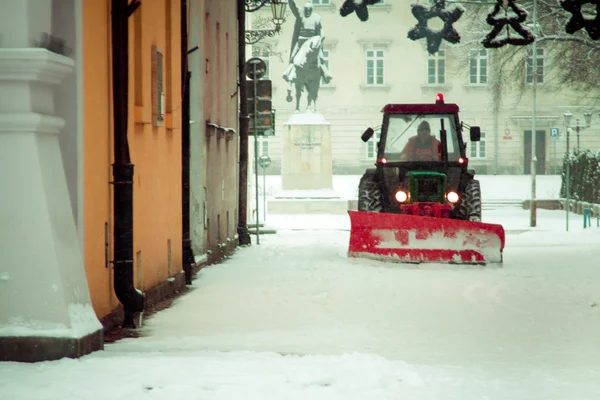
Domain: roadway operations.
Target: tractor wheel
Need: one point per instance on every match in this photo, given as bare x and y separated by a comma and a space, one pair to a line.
370, 197
470, 206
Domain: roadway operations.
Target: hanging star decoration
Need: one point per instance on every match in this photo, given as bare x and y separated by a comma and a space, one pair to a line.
424, 13
578, 21
357, 6
501, 22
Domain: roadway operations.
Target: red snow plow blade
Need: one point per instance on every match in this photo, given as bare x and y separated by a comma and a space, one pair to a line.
418, 239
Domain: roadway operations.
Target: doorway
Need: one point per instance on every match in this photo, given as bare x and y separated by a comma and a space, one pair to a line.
540, 151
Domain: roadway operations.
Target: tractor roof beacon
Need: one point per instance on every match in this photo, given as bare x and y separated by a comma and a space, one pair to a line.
421, 203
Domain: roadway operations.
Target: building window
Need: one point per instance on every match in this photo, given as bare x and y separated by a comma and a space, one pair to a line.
375, 60
372, 145
478, 149
158, 94
436, 68
266, 56
478, 68
263, 146
540, 66
320, 2
326, 62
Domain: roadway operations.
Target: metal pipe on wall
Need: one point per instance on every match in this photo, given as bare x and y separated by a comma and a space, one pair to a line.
243, 234
187, 254
128, 295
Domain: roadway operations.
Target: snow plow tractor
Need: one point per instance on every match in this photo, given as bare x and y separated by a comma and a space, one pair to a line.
421, 203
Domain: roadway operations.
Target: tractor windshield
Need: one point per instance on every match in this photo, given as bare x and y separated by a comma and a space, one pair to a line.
416, 137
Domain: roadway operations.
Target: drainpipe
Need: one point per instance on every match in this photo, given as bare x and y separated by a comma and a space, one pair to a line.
128, 295
243, 234
187, 252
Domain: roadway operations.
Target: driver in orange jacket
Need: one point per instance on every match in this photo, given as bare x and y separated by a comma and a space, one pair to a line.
423, 146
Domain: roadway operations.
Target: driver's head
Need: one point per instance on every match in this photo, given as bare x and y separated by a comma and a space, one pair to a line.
424, 130
308, 8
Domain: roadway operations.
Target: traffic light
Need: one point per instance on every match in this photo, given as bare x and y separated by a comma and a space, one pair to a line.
264, 108
264, 89
264, 121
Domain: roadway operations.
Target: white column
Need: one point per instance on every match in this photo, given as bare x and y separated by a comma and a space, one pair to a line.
43, 285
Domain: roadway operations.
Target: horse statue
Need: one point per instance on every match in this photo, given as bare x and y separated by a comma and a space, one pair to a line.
307, 77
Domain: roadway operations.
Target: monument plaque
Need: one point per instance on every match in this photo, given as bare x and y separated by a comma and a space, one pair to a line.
306, 160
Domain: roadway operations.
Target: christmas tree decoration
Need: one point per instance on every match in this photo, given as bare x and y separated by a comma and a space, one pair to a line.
501, 22
357, 6
578, 21
434, 38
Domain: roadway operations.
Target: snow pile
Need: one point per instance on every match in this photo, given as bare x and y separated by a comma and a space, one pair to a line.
82, 322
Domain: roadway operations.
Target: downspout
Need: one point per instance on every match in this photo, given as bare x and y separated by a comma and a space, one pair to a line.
186, 250
243, 234
128, 295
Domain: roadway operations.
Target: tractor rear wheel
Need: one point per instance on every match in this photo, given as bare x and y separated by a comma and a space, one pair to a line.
470, 206
370, 197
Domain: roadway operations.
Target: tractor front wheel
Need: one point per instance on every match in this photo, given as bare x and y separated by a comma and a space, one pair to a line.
470, 205
370, 197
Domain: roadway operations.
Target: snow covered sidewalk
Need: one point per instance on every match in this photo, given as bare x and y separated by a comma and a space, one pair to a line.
293, 318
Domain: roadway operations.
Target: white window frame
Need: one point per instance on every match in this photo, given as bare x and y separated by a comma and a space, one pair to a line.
477, 147
436, 60
529, 66
371, 145
478, 62
374, 55
263, 146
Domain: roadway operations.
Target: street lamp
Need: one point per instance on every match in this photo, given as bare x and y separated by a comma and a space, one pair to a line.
278, 8
567, 116
534, 70
588, 122
578, 128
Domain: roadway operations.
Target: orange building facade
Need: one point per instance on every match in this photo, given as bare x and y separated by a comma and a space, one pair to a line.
155, 143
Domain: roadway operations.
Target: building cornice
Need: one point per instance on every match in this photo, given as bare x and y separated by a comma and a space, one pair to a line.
34, 64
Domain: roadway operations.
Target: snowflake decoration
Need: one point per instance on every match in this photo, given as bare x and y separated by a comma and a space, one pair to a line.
424, 13
578, 21
499, 23
357, 6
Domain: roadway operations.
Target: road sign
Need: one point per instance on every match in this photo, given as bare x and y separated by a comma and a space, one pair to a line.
255, 68
554, 132
264, 161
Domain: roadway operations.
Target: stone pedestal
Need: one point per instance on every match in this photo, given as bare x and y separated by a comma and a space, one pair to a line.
306, 163
306, 169
45, 306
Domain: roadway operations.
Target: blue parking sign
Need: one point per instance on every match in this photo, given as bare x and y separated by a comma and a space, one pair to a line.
554, 132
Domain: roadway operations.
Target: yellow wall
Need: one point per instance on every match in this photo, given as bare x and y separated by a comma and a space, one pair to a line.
155, 150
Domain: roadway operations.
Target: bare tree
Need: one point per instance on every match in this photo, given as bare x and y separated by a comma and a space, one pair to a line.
570, 60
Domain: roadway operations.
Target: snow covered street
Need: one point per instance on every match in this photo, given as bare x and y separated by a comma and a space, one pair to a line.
293, 318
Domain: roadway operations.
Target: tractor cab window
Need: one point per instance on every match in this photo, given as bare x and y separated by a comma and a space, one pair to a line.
414, 138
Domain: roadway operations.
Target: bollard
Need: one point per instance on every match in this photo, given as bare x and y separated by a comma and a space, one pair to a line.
587, 218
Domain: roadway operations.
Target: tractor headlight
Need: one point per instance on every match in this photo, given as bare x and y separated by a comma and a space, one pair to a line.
452, 197
401, 196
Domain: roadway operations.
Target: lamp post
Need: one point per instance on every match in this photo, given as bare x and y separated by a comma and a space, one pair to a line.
578, 128
567, 116
278, 7
533, 205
